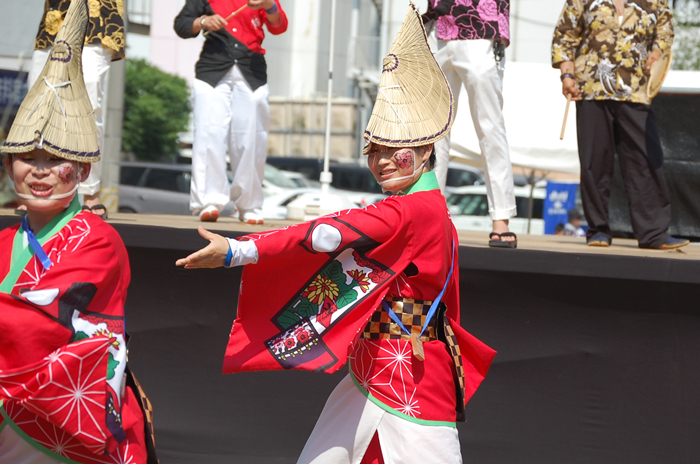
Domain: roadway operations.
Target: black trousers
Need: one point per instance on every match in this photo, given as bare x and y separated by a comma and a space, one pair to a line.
630, 129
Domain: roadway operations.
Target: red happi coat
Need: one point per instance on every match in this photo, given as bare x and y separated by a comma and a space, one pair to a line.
305, 302
62, 346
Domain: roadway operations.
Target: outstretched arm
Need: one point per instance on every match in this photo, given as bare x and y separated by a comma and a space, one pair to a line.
220, 252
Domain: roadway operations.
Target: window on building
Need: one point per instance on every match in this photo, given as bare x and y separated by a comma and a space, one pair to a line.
140, 12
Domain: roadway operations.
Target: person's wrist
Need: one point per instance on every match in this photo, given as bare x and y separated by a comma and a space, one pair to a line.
273, 9
201, 21
229, 256
567, 75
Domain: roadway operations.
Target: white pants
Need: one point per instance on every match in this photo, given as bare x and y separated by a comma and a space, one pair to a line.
348, 423
14, 450
472, 63
229, 118
96, 62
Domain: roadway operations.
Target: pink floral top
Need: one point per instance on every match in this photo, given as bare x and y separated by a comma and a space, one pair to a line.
470, 19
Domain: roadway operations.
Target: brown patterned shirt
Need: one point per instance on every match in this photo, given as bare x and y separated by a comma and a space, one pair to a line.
610, 54
106, 25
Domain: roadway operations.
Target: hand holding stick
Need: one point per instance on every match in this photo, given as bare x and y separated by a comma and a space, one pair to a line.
230, 16
566, 114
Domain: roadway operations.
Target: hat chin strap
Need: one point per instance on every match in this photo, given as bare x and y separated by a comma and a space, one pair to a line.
410, 176
24, 196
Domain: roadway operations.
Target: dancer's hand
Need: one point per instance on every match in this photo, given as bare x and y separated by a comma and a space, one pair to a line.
209, 257
213, 23
653, 58
568, 86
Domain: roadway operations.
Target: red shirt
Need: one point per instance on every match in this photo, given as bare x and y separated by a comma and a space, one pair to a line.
247, 25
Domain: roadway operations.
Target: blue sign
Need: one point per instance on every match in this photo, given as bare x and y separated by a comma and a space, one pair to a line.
559, 200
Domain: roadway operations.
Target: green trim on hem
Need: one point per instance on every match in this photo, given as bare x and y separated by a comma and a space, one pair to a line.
393, 411
29, 439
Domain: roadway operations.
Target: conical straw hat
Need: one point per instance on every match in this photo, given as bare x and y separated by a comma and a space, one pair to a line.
56, 114
414, 102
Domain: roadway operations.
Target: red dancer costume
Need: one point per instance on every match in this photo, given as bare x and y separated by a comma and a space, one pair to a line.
66, 324
66, 394
329, 291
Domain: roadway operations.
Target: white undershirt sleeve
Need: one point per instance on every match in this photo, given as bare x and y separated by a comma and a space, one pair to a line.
242, 253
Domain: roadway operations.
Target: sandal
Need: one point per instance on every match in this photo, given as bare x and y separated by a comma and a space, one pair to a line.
98, 210
498, 243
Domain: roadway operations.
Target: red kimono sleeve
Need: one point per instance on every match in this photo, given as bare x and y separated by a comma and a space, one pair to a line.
314, 287
79, 299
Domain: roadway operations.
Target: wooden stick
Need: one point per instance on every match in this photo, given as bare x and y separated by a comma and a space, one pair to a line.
229, 16
566, 114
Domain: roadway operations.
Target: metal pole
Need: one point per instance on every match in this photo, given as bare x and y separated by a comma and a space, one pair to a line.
112, 149
326, 176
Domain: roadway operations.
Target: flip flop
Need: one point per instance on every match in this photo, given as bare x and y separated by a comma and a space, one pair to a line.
502, 243
96, 208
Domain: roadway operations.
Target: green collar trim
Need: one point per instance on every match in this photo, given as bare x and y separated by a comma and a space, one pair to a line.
428, 181
21, 254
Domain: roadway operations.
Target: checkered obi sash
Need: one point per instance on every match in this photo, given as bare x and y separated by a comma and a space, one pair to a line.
412, 314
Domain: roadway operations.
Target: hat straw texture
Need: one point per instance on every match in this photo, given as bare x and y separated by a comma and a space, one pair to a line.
414, 103
56, 114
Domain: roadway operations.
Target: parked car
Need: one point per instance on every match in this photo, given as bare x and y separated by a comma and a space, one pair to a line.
155, 188
460, 175
356, 177
469, 209
346, 176
161, 188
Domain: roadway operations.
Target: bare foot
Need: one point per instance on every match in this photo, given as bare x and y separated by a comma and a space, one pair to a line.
500, 226
91, 200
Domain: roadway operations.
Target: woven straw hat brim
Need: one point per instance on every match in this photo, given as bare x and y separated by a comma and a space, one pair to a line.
56, 114
414, 103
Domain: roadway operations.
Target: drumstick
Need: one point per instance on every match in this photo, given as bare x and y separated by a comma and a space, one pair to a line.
566, 114
230, 16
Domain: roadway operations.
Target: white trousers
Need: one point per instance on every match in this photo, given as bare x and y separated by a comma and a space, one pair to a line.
348, 423
229, 118
14, 450
96, 62
472, 63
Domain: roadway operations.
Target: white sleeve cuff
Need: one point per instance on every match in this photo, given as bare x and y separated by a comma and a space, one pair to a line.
242, 253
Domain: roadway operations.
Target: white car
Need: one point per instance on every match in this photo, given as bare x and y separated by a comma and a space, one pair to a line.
470, 210
163, 188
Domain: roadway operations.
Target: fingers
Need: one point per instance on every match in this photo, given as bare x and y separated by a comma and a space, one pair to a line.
194, 260
215, 22
569, 88
653, 58
204, 233
211, 236
256, 4
208, 257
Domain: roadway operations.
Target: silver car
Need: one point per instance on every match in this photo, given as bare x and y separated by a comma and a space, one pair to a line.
160, 188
